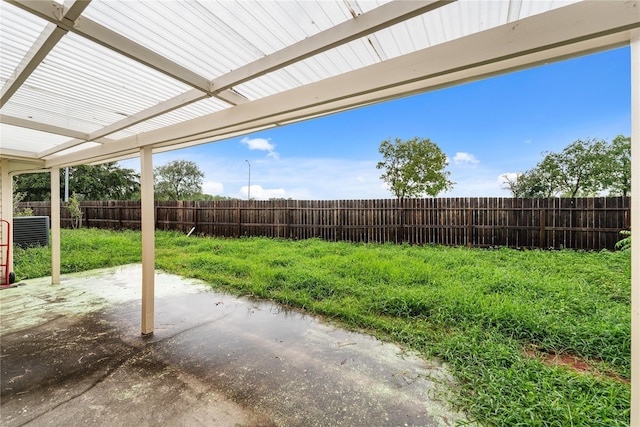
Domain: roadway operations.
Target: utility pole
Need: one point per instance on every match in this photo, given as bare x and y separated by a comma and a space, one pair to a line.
66, 184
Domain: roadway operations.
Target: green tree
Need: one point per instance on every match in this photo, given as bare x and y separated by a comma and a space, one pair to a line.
75, 211
529, 184
583, 168
34, 187
544, 180
618, 178
106, 181
178, 180
414, 167
17, 198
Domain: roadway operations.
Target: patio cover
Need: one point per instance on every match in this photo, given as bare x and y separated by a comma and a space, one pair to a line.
91, 81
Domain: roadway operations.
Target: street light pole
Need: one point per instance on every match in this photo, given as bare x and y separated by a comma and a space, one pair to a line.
249, 187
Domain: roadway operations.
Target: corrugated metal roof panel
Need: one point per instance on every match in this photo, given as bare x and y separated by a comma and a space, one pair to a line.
212, 38
18, 31
21, 139
444, 24
31, 104
105, 76
194, 38
349, 57
96, 88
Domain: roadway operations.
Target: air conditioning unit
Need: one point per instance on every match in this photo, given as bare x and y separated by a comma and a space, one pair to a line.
30, 231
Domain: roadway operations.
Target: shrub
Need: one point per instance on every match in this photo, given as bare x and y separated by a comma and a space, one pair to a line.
624, 244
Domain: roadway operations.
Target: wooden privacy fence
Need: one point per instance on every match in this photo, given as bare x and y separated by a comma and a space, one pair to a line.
580, 223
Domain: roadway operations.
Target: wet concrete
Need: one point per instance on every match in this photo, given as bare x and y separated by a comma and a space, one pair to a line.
72, 355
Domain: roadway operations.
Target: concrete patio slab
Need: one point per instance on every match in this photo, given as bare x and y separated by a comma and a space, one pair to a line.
72, 354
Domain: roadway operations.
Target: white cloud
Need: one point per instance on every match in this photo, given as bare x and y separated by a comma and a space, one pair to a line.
259, 193
258, 144
511, 176
213, 188
465, 159
261, 144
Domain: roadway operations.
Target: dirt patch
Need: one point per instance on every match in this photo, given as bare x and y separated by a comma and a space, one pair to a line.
573, 362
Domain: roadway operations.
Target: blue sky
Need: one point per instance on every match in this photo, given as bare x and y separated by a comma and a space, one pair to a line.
487, 128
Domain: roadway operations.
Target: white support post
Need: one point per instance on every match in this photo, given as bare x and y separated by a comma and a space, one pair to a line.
148, 239
6, 208
635, 228
55, 226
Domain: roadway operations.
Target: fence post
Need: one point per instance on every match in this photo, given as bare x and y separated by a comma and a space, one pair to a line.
398, 221
543, 225
401, 217
469, 227
340, 221
195, 215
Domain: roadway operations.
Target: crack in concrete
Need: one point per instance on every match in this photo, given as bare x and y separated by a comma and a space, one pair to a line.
99, 380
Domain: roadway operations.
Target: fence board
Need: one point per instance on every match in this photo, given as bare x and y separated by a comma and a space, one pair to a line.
580, 223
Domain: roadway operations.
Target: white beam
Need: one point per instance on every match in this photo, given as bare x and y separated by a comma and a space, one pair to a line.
635, 227
572, 30
231, 97
49, 37
69, 144
42, 127
174, 103
19, 154
55, 226
148, 239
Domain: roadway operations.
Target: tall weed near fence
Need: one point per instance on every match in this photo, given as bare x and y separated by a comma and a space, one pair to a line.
582, 223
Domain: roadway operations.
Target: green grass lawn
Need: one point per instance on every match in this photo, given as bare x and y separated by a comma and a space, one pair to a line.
533, 337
